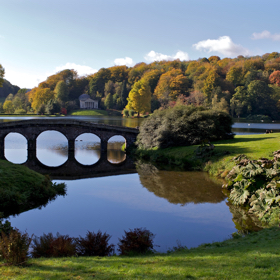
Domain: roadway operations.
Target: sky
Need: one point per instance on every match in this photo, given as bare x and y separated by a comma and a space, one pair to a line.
39, 38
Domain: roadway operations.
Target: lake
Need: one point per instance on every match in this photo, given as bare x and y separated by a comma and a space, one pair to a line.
185, 207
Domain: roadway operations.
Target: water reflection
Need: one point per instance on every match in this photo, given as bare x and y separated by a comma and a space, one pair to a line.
15, 148
180, 187
52, 148
114, 152
87, 149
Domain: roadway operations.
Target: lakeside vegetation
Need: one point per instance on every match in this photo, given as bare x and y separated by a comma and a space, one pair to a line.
22, 189
255, 256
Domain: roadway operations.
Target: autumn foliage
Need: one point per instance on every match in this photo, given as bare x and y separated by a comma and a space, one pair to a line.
220, 84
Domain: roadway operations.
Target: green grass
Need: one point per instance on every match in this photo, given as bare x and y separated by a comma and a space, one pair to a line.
255, 256
95, 113
22, 189
88, 113
254, 146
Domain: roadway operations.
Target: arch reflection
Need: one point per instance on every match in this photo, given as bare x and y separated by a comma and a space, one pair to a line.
87, 148
52, 148
15, 148
114, 149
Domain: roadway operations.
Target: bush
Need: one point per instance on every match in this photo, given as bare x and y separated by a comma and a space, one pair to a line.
182, 126
5, 227
14, 247
131, 113
94, 244
50, 246
20, 111
126, 113
137, 241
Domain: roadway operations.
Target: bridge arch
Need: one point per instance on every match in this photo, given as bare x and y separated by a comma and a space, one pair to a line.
52, 148
87, 148
115, 154
15, 152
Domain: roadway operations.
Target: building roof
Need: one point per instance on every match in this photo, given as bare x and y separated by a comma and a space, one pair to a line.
84, 97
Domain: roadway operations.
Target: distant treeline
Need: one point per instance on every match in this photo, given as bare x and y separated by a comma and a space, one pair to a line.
242, 86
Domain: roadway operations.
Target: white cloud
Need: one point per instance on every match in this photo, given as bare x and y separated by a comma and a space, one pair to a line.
223, 45
81, 69
266, 35
25, 79
155, 56
124, 61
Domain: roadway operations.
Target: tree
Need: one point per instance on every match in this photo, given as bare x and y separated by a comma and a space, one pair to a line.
171, 84
2, 72
210, 83
8, 107
139, 98
124, 94
109, 101
235, 75
61, 91
274, 78
41, 97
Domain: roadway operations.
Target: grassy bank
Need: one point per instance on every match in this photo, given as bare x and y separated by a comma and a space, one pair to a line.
22, 189
95, 113
255, 256
254, 146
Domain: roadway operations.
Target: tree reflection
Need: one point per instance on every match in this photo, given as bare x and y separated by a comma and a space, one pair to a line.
180, 187
244, 222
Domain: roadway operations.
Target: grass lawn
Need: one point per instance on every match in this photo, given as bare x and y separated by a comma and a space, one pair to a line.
254, 146
22, 189
95, 113
255, 256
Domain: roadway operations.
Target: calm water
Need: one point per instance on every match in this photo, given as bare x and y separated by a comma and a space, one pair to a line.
185, 206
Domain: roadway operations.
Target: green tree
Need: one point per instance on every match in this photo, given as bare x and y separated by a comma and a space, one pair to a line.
109, 102
61, 91
139, 98
124, 94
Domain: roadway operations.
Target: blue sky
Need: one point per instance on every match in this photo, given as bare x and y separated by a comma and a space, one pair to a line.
41, 37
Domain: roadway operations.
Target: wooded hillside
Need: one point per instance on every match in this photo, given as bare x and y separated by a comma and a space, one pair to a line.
241, 86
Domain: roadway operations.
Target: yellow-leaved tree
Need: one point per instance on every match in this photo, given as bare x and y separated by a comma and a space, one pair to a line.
41, 96
139, 98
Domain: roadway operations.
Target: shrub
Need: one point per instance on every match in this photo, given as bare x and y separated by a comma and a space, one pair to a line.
126, 113
182, 126
5, 227
20, 111
131, 113
137, 241
50, 246
14, 247
94, 244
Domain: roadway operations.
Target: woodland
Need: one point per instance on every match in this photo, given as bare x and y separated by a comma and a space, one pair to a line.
245, 87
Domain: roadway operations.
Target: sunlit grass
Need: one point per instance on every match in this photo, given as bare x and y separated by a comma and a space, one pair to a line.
254, 146
89, 113
255, 256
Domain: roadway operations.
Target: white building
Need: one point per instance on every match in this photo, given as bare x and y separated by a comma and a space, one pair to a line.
87, 103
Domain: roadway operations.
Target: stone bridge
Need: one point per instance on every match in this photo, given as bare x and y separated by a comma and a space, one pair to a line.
71, 129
